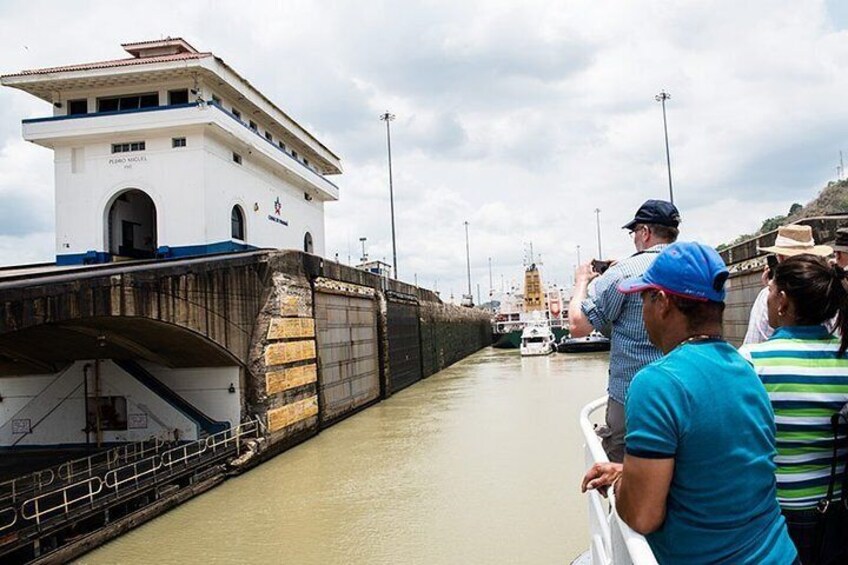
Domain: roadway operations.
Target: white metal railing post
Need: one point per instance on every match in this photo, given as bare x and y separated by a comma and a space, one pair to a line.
612, 541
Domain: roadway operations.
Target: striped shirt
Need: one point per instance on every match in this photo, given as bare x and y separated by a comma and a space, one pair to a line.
807, 383
619, 316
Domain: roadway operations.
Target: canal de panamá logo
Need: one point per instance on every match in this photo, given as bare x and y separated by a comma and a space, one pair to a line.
278, 208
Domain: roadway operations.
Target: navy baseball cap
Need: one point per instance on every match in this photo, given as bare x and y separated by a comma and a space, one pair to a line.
659, 212
686, 269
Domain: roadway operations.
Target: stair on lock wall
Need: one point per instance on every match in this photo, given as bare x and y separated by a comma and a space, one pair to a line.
206, 425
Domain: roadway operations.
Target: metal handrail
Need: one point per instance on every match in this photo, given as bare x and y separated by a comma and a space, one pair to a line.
31, 509
6, 523
136, 473
26, 484
612, 541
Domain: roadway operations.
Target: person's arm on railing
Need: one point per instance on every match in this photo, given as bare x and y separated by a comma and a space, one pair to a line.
641, 493
641, 489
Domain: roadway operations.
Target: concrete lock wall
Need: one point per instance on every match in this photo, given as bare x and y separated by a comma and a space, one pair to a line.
288, 337
746, 263
313, 360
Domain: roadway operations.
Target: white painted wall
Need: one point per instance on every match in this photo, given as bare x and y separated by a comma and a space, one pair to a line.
255, 188
55, 404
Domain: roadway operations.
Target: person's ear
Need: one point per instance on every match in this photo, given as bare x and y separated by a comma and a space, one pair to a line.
663, 304
782, 303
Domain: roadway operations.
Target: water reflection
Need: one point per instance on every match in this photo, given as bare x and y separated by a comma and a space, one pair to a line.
477, 464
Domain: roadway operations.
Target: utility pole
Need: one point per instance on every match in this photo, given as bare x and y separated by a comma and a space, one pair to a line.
388, 117
598, 221
478, 295
661, 98
841, 165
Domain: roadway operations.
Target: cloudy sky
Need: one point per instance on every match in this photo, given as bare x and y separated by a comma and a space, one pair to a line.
520, 117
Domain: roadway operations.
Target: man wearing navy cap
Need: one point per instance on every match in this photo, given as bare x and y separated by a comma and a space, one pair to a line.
698, 474
603, 308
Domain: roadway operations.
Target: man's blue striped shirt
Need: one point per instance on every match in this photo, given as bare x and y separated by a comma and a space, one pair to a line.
620, 316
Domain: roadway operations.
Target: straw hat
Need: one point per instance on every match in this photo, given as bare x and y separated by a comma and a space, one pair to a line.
797, 240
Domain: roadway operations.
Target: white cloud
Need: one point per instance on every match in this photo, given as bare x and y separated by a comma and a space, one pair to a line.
520, 118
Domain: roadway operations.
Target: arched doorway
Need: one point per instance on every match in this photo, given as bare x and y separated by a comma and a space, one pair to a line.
237, 223
307, 243
132, 225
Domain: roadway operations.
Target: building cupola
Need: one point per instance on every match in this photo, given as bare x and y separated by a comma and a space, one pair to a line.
158, 48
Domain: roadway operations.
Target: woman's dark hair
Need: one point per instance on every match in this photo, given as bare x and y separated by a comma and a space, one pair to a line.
818, 290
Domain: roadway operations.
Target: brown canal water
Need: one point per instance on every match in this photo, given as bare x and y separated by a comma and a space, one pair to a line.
480, 463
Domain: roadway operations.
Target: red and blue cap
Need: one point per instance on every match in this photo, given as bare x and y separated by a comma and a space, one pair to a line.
686, 269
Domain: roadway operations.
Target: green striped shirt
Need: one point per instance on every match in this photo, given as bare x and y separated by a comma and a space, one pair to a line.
807, 383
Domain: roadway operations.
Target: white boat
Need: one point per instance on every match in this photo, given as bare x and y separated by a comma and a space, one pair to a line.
537, 339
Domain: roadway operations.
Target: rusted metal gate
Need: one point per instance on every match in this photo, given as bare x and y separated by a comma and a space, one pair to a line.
404, 344
347, 353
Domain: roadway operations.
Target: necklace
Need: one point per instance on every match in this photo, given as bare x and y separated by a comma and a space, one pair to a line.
700, 337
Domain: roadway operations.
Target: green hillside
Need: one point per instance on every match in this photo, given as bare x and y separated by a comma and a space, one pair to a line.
833, 199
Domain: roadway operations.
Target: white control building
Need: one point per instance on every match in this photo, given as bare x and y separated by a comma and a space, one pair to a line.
171, 153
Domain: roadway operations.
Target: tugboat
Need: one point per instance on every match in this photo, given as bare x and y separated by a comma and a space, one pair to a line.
595, 341
518, 310
537, 339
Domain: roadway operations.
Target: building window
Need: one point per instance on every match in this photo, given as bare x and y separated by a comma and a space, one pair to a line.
77, 107
236, 158
307, 243
128, 147
253, 126
178, 142
78, 159
107, 412
236, 113
281, 145
305, 162
177, 97
216, 99
269, 137
237, 223
294, 154
129, 102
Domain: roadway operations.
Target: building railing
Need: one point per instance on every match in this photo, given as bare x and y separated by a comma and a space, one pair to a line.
78, 469
612, 541
133, 476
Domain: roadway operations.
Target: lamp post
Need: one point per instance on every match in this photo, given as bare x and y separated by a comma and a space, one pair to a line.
661, 98
491, 288
468, 260
598, 222
388, 117
578, 256
364, 256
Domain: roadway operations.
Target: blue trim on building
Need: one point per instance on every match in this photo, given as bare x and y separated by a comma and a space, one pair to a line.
176, 107
163, 252
111, 113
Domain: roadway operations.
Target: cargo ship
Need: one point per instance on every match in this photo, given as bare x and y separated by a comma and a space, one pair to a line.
520, 309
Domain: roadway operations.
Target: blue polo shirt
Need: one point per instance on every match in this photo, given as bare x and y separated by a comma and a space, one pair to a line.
703, 405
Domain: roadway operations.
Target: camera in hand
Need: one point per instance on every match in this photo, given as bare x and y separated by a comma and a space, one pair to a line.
771, 260
600, 266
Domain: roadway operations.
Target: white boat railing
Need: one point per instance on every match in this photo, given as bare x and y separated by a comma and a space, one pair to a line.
612, 541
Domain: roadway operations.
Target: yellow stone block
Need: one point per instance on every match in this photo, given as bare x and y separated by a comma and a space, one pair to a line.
288, 328
289, 352
284, 416
279, 381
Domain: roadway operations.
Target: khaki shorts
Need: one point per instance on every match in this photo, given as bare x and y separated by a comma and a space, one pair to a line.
612, 434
